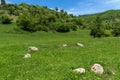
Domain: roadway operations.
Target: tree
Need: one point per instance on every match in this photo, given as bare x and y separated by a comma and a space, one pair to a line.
56, 9
116, 31
97, 30
5, 19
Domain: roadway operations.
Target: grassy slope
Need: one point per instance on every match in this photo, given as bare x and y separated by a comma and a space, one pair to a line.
52, 62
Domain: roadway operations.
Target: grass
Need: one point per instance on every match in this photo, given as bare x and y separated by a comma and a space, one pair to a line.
53, 62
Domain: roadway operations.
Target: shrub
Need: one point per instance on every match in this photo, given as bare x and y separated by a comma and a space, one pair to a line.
116, 31
5, 20
73, 26
63, 27
53, 26
97, 30
42, 28
26, 24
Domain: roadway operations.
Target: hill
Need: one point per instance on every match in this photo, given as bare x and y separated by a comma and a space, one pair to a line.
35, 18
45, 19
110, 19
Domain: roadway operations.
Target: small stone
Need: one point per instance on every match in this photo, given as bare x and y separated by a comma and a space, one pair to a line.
32, 48
79, 70
27, 55
79, 44
64, 45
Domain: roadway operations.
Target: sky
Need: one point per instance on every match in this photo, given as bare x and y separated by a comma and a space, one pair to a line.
75, 7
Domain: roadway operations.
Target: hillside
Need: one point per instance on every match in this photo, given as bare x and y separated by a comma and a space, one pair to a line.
45, 19
38, 18
110, 18
23, 8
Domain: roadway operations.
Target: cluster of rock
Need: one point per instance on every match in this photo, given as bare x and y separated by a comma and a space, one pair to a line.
77, 44
96, 68
31, 48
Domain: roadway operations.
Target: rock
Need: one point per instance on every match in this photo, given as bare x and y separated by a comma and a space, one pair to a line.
79, 44
32, 48
64, 45
97, 69
27, 55
79, 70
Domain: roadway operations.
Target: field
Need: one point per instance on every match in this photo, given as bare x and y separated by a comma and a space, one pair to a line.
53, 62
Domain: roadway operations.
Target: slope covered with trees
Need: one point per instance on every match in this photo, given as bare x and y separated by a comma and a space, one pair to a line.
109, 20
34, 18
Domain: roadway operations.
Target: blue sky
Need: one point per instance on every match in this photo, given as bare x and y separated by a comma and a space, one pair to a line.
76, 7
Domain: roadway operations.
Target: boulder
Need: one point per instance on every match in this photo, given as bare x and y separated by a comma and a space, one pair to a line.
97, 69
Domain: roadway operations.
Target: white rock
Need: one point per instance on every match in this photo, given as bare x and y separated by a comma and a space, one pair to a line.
32, 48
64, 45
97, 68
79, 70
27, 55
79, 44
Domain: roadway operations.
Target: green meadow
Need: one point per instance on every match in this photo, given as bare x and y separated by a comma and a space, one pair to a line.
53, 62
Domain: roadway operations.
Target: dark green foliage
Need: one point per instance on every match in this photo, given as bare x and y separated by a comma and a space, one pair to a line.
116, 31
5, 19
63, 28
97, 31
25, 23
42, 28
36, 18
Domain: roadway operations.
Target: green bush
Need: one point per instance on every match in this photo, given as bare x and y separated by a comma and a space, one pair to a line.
26, 24
53, 26
42, 28
5, 20
63, 27
116, 31
97, 32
